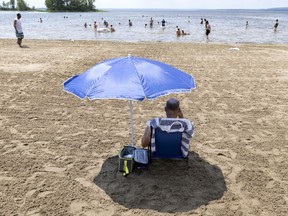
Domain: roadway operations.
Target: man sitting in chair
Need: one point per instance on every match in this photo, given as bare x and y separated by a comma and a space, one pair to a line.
174, 122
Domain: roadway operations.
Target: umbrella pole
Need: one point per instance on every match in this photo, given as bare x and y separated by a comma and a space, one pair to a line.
131, 119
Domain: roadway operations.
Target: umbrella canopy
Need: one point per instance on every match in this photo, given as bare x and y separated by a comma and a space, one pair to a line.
129, 78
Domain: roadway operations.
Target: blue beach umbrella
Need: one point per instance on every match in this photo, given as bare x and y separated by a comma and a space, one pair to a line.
129, 78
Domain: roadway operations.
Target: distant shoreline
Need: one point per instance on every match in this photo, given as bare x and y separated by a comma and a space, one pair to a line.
150, 9
151, 42
46, 10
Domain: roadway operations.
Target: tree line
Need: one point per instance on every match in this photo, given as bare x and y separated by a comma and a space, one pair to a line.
52, 5
20, 5
70, 5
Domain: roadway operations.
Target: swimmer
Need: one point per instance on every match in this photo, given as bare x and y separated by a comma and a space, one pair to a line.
178, 32
184, 33
112, 29
130, 23
163, 22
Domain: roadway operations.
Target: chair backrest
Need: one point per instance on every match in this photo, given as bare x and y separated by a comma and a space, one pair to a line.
168, 145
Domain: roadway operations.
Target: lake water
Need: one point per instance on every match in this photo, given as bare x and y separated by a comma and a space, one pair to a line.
228, 26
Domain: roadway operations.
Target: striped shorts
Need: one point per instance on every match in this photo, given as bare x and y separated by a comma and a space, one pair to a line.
20, 35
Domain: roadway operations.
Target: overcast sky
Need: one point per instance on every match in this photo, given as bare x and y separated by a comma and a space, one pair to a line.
181, 4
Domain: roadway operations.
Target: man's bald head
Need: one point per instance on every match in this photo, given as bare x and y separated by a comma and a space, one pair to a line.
172, 109
172, 104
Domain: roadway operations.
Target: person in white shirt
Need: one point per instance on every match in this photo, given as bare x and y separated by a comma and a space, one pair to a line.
18, 29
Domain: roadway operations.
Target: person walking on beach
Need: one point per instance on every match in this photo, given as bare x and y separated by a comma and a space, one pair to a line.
207, 29
276, 25
247, 24
184, 33
18, 29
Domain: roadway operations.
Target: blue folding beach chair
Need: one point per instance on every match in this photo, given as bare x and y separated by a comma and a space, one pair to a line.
167, 145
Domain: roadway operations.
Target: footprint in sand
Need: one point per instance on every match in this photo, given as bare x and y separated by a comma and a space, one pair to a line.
45, 193
3, 120
63, 128
51, 168
16, 145
6, 178
83, 208
84, 182
28, 135
76, 207
35, 175
47, 151
13, 130
34, 212
30, 193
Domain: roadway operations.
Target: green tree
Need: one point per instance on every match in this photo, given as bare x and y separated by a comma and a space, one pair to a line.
55, 5
5, 5
70, 5
90, 4
12, 3
22, 5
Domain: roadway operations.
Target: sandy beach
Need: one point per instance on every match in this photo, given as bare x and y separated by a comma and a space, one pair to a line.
58, 154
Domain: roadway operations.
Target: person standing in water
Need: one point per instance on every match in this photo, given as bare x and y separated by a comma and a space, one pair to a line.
18, 29
276, 25
163, 22
112, 29
151, 22
201, 21
207, 29
130, 23
178, 32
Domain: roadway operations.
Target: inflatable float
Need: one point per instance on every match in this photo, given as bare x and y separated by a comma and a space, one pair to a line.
103, 30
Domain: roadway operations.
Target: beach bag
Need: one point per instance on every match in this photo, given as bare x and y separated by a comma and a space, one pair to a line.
126, 159
131, 157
